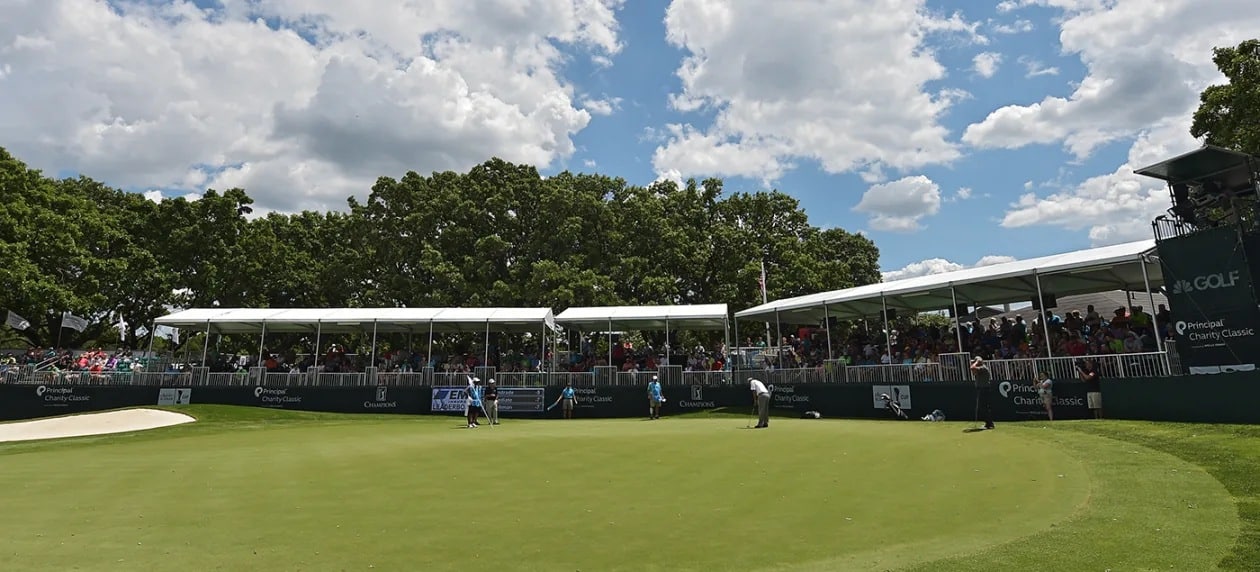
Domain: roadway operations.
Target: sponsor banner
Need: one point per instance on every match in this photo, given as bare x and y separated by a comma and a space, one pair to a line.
31, 401
1209, 284
448, 399
900, 395
792, 397
378, 399
174, 396
1020, 400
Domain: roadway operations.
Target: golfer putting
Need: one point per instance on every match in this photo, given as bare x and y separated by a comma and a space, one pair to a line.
761, 401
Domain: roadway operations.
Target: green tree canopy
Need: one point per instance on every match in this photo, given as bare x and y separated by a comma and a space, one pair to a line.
499, 235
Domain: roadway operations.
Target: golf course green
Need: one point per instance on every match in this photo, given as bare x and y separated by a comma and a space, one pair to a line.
256, 489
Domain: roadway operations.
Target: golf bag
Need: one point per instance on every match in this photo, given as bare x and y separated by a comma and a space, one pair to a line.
935, 415
893, 407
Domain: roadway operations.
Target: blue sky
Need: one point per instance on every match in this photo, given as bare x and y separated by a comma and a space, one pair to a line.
887, 104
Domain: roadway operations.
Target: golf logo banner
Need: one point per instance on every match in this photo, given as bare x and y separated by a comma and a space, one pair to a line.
1210, 286
900, 395
1022, 398
382, 399
697, 400
174, 396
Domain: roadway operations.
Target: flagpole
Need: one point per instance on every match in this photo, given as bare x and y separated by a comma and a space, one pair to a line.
61, 330
764, 300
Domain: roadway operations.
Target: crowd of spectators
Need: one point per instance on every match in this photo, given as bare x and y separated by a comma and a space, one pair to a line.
1074, 333
94, 363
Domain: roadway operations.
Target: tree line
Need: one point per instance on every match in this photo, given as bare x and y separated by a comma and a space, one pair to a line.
498, 235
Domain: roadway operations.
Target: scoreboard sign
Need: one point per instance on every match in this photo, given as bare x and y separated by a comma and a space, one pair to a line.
511, 399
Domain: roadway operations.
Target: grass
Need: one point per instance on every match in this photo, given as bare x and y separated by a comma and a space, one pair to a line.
257, 489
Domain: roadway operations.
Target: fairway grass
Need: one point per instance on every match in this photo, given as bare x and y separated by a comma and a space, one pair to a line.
254, 489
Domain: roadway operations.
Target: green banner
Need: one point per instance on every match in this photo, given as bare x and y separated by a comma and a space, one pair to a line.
1209, 286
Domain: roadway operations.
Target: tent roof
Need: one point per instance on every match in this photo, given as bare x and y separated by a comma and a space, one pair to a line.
1233, 170
335, 320
1117, 267
701, 317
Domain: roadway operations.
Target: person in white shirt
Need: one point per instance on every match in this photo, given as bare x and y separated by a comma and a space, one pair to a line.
1045, 388
761, 398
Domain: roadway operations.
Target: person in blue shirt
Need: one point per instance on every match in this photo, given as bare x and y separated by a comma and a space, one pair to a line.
473, 402
655, 398
567, 399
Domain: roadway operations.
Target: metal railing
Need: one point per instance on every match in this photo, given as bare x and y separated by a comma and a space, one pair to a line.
949, 367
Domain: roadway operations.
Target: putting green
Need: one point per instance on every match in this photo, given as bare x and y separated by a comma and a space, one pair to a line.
262, 490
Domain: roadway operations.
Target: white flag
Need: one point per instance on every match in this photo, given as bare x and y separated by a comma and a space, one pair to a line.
73, 322
16, 322
142, 332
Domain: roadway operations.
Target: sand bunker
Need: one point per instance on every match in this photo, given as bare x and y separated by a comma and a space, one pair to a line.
91, 424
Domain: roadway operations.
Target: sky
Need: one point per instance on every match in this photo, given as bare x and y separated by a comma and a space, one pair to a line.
952, 133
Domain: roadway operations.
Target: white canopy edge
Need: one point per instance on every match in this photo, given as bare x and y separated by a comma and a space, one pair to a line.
245, 320
1083, 271
690, 317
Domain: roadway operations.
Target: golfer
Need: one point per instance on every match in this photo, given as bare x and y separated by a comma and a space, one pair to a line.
984, 390
655, 398
1045, 388
472, 403
761, 399
490, 402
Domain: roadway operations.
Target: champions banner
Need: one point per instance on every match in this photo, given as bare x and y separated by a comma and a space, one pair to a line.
511, 399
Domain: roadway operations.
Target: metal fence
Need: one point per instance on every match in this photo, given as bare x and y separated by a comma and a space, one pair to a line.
949, 367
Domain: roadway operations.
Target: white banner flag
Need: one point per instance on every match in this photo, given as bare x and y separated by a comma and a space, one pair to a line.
16, 322
142, 332
73, 322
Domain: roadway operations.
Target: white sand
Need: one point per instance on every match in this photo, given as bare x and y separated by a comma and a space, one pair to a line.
91, 424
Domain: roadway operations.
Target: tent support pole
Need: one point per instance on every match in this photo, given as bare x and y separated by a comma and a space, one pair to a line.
827, 327
666, 342
957, 318
542, 356
1045, 323
778, 333
1146, 281
319, 331
428, 360
486, 361
205, 348
610, 341
372, 353
262, 339
736, 354
883, 302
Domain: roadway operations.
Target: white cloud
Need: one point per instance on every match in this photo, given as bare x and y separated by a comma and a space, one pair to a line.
155, 196
986, 63
784, 86
590, 164
1028, 185
1142, 84
1137, 74
167, 95
964, 194
899, 205
1115, 207
1034, 68
939, 266
1017, 27
604, 106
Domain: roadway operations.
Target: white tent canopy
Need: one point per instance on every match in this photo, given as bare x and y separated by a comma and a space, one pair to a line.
1121, 267
346, 320
699, 317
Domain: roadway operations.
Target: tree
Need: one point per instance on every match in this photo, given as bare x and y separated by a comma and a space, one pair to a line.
1229, 114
